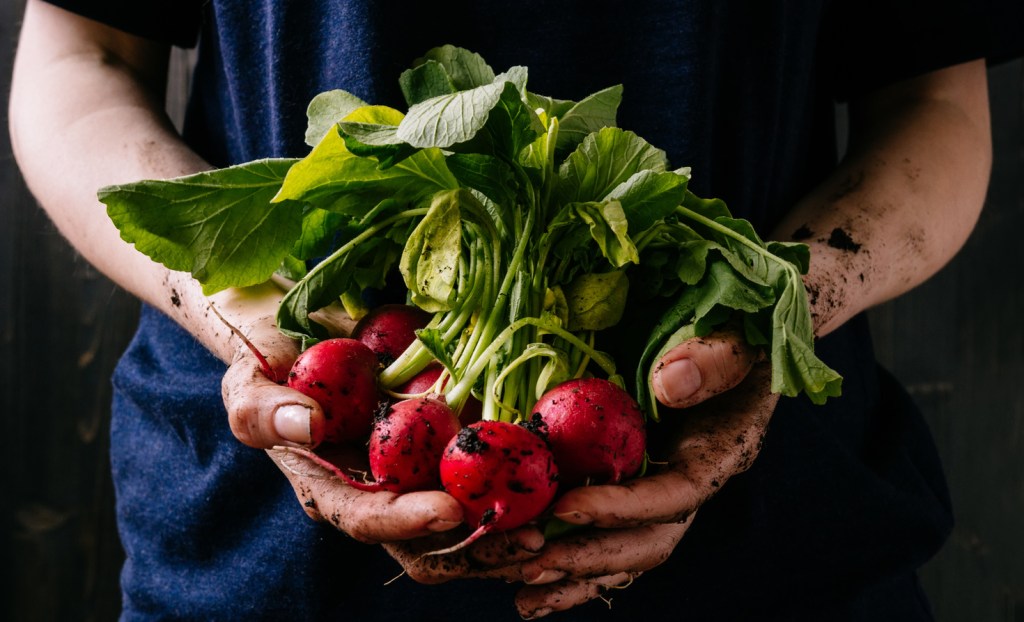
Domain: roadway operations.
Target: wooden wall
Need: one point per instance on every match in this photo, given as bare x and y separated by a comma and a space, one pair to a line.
957, 342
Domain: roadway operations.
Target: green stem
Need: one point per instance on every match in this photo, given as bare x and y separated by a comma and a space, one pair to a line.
483, 358
490, 322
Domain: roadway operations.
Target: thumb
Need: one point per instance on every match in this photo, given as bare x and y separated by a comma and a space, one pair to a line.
263, 413
702, 367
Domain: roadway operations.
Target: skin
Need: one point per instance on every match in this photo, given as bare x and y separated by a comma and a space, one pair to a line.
86, 111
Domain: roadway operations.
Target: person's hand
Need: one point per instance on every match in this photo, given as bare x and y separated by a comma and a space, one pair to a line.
264, 413
637, 525
369, 517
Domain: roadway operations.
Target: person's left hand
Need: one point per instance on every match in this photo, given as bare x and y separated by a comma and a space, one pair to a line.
634, 526
637, 525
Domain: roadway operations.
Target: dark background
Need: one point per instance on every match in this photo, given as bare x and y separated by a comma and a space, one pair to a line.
957, 342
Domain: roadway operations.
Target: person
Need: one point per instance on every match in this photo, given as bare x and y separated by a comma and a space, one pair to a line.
805, 512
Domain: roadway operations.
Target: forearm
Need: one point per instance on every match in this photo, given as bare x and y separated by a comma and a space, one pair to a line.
905, 198
86, 111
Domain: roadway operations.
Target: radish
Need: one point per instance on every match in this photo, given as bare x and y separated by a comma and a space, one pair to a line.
501, 473
422, 382
407, 443
405, 447
341, 375
391, 328
595, 430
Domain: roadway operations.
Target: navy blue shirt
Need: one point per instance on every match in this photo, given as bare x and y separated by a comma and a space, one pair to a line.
843, 503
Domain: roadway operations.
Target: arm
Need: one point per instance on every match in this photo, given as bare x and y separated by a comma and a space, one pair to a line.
907, 195
902, 202
899, 206
86, 110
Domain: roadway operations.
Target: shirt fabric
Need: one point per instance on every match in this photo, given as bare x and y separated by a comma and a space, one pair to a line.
845, 500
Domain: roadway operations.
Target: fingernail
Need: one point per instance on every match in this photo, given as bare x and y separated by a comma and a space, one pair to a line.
292, 422
678, 380
439, 524
539, 613
574, 517
546, 576
533, 542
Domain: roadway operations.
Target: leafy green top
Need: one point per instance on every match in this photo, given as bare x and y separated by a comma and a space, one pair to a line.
518, 219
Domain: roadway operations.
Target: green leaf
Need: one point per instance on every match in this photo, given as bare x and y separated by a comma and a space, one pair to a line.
493, 177
596, 301
466, 69
218, 225
427, 169
608, 227
796, 253
430, 261
291, 268
723, 287
551, 106
331, 170
433, 340
325, 110
671, 254
692, 260
709, 208
455, 118
332, 278
604, 160
372, 131
510, 128
319, 232
648, 197
424, 82
591, 114
795, 367
373, 125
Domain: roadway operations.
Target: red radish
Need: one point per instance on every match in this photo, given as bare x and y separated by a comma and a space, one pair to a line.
405, 447
595, 430
341, 375
389, 329
424, 381
407, 442
501, 473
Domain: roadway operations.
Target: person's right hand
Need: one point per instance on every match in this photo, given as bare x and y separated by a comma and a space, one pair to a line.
369, 517
265, 413
262, 411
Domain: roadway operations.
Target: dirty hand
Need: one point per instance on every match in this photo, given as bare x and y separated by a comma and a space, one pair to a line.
635, 526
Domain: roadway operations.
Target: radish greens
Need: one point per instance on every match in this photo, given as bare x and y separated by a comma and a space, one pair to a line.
524, 223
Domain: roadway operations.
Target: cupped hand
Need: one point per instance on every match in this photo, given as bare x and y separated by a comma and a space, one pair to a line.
367, 516
264, 413
636, 526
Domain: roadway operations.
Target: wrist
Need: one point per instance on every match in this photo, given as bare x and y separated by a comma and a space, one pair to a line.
223, 322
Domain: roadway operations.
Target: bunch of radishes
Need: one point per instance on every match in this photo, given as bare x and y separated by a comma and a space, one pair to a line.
522, 226
504, 473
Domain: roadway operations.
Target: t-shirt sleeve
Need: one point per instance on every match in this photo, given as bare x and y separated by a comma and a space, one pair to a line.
868, 44
176, 22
